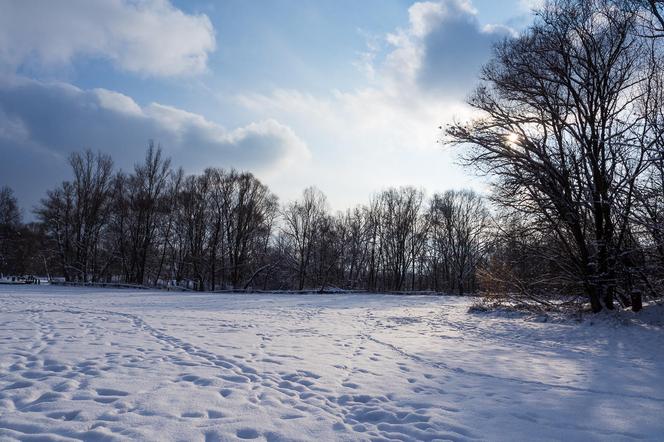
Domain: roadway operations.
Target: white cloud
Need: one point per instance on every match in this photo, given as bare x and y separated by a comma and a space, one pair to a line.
444, 46
117, 102
148, 37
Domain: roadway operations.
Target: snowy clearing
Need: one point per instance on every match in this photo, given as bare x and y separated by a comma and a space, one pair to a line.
133, 365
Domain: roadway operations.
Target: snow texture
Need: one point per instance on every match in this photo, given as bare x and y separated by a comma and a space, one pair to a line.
87, 364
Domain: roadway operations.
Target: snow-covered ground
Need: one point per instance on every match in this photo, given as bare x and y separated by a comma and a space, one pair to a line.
134, 365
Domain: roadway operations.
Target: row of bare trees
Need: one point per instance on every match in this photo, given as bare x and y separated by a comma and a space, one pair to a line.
225, 230
396, 242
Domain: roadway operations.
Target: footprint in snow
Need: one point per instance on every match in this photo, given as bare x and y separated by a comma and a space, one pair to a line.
111, 392
247, 433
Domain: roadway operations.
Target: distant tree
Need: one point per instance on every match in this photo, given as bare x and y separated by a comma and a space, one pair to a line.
402, 232
144, 194
10, 230
242, 216
75, 214
301, 223
167, 227
458, 224
10, 214
193, 227
353, 247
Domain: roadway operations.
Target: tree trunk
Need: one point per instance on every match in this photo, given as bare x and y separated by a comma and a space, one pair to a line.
594, 298
608, 296
637, 301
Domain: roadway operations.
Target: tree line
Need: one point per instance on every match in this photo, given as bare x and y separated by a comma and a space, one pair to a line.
225, 230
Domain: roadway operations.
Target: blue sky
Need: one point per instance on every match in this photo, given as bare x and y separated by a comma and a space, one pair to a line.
344, 95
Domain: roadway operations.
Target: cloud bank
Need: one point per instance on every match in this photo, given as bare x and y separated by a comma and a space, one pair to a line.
41, 123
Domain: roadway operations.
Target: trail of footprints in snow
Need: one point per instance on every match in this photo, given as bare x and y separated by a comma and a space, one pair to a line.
374, 416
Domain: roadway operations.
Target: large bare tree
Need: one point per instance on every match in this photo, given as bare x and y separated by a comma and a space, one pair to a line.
559, 126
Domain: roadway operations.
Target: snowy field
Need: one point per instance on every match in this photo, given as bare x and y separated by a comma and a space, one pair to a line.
87, 364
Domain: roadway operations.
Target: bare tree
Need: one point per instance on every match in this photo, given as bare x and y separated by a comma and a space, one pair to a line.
193, 226
243, 214
148, 186
353, 247
560, 131
10, 223
75, 214
458, 223
10, 214
167, 227
402, 232
301, 221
